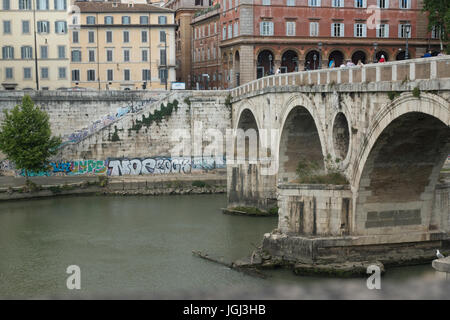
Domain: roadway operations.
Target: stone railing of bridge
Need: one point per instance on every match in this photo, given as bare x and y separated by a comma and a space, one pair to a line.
405, 70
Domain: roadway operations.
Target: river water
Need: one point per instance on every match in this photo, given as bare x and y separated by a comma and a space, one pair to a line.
136, 245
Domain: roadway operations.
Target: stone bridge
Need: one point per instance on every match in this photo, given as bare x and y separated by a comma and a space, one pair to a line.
385, 127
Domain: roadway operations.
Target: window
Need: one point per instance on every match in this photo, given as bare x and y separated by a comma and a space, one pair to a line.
144, 53
162, 57
75, 75
405, 4
402, 30
91, 75
61, 52
25, 27
44, 73
290, 28
126, 19
163, 75
126, 74
8, 52
224, 33
109, 55
224, 5
110, 74
90, 20
76, 56
9, 74
266, 28
44, 52
27, 73
60, 5
230, 4
266, 2
337, 29
215, 27
25, 4
383, 4
43, 27
109, 20
290, 3
91, 55
337, 3
6, 5
236, 29
26, 52
126, 36
126, 55
60, 26
108, 36
313, 29
144, 36
42, 4
360, 30
383, 30
145, 74
435, 32
6, 27
143, 19
91, 36
162, 36
162, 20
314, 3
61, 73
75, 38
230, 31
360, 3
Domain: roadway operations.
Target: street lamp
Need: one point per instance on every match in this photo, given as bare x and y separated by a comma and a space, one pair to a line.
375, 46
320, 55
295, 63
315, 58
407, 31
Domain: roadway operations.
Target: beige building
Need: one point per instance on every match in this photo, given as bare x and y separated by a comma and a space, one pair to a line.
123, 46
20, 22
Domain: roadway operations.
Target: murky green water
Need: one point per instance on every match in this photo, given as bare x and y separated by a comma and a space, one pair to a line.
125, 245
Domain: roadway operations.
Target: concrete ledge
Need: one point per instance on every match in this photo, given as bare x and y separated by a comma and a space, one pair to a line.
442, 265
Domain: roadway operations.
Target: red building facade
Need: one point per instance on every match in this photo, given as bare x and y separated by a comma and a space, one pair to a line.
205, 54
261, 37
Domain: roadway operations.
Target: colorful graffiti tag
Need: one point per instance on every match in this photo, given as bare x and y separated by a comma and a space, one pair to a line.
131, 107
125, 166
80, 167
163, 165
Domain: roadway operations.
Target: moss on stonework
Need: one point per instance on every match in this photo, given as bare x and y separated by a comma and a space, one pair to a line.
156, 117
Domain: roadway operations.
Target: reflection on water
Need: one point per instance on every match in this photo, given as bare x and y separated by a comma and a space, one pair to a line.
125, 245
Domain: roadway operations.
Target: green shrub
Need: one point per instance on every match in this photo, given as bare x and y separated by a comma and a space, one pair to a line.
199, 184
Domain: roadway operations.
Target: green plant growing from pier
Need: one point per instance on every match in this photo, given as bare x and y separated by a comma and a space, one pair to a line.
393, 94
115, 135
416, 92
228, 101
25, 137
309, 172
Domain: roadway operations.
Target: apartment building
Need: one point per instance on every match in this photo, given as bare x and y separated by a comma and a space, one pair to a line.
206, 51
122, 46
35, 45
258, 37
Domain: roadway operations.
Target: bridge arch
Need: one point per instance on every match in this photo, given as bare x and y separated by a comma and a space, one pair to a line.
397, 169
301, 137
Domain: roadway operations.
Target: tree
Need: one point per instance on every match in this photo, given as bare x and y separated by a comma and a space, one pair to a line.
25, 137
439, 17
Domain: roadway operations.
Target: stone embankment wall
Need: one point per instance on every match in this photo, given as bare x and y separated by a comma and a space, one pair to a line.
101, 135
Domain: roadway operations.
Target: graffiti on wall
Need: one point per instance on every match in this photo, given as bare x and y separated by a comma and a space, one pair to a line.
125, 166
163, 165
5, 166
130, 107
70, 168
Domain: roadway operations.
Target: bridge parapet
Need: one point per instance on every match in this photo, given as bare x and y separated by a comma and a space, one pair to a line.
405, 70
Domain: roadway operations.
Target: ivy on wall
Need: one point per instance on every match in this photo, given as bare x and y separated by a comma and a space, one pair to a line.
156, 117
